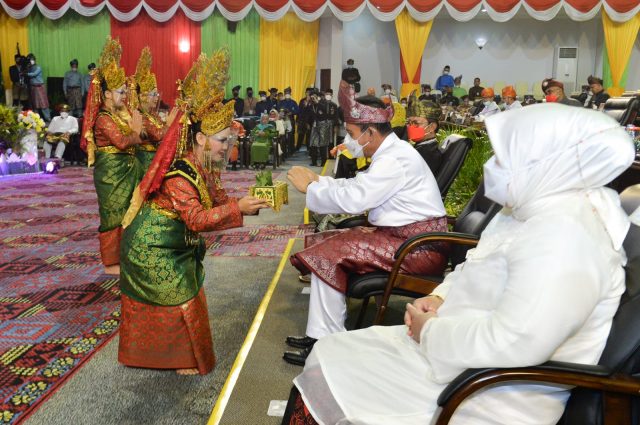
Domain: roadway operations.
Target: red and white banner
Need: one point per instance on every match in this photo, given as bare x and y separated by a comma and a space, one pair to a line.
345, 10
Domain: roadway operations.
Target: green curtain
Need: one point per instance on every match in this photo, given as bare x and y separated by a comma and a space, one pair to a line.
606, 70
55, 43
243, 44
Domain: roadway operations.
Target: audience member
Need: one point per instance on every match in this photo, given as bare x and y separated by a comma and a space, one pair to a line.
238, 107
351, 75
73, 88
388, 96
554, 91
489, 106
598, 96
262, 136
325, 118
38, 95
262, 107
457, 90
509, 97
448, 98
445, 79
305, 118
59, 133
250, 103
475, 92
402, 198
426, 93
423, 124
19, 89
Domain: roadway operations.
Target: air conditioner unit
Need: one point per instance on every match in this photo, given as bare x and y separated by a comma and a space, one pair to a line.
565, 67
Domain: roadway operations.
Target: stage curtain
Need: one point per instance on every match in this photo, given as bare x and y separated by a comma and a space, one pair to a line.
12, 31
606, 71
55, 43
412, 37
164, 39
288, 53
244, 46
619, 39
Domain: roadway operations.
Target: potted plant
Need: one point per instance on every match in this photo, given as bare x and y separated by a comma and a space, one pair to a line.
276, 194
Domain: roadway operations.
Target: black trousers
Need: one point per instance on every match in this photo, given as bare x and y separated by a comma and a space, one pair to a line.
304, 135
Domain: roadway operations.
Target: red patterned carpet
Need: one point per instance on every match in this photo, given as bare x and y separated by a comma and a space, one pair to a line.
56, 307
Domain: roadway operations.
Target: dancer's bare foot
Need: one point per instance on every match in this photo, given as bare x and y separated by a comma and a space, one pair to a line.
187, 371
114, 269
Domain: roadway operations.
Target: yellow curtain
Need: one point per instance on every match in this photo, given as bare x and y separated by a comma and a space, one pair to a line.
12, 31
619, 38
288, 53
412, 37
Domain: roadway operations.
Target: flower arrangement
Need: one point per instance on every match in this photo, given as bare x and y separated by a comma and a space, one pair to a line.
10, 131
30, 120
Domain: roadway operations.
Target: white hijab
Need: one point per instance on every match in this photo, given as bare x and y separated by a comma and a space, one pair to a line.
549, 149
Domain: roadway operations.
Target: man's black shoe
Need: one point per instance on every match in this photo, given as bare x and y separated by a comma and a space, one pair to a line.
297, 357
300, 341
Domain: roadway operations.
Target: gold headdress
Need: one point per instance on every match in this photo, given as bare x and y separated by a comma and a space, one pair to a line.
145, 79
203, 89
109, 64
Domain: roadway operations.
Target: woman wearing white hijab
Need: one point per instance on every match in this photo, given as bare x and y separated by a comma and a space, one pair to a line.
543, 284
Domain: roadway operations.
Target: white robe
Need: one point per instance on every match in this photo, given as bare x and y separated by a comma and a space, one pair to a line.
489, 110
397, 189
542, 287
515, 105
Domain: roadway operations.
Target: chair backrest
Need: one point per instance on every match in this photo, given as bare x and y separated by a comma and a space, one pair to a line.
622, 351
432, 155
452, 159
623, 109
522, 88
473, 219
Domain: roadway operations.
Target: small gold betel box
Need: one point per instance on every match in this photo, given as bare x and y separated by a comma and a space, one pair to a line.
275, 195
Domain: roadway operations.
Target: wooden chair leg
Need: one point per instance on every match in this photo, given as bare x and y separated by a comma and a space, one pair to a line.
363, 311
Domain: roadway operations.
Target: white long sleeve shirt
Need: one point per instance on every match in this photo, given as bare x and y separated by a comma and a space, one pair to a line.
397, 189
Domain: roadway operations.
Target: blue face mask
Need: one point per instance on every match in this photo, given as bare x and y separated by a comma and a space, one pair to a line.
355, 148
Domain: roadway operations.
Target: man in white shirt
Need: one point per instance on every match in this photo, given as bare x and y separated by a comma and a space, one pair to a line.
402, 198
509, 97
59, 132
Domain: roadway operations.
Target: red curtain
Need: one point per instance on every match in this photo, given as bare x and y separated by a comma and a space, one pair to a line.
165, 40
403, 72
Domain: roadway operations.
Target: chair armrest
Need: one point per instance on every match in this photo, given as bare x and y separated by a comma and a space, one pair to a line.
425, 238
358, 220
560, 373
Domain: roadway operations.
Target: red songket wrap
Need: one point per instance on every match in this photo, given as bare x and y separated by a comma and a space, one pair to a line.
335, 254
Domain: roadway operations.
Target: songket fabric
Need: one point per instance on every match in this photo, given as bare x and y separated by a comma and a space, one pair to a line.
116, 173
39, 99
335, 254
161, 272
74, 98
321, 134
511, 303
154, 130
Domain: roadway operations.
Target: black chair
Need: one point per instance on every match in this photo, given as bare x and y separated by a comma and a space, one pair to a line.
604, 394
466, 232
623, 109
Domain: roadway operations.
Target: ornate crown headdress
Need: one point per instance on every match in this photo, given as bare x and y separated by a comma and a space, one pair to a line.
109, 64
423, 108
203, 89
145, 79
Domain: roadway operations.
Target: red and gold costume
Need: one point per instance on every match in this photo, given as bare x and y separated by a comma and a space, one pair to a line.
110, 144
165, 322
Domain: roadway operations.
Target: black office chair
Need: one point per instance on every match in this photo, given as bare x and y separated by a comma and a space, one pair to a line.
466, 232
604, 394
623, 109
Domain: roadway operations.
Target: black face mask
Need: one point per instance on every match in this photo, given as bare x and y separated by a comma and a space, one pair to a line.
235, 94
250, 93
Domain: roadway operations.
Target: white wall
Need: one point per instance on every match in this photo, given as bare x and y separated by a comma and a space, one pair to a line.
373, 45
330, 52
518, 50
